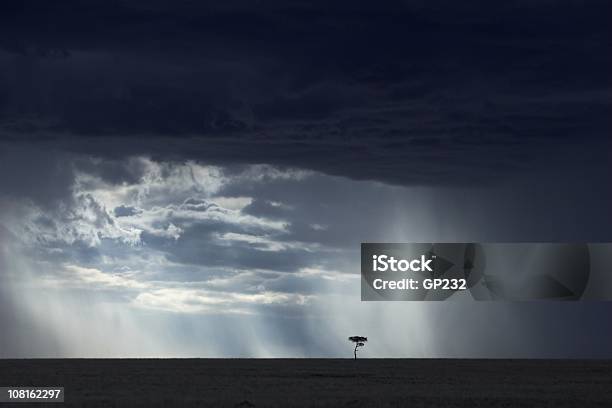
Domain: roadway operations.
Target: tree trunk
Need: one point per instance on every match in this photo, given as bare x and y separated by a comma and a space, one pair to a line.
355, 352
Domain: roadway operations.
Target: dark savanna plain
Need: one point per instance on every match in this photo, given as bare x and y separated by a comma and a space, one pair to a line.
319, 382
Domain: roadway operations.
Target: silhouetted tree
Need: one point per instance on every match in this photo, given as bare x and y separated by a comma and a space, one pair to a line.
359, 342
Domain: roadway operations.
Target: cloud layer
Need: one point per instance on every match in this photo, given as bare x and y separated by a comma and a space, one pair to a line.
408, 93
156, 258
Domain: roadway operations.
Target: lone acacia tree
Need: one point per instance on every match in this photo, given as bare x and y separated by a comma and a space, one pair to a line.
359, 342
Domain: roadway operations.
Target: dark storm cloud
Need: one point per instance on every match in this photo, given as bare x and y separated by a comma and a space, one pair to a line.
112, 171
33, 174
266, 208
406, 92
125, 211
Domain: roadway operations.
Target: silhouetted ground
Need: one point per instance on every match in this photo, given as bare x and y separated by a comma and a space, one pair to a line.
318, 382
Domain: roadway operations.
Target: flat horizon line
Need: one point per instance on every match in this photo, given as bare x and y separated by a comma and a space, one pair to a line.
319, 358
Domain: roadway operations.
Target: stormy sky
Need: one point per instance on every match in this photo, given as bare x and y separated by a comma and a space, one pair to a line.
186, 179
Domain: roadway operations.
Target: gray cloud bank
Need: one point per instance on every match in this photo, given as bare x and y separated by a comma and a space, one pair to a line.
406, 92
139, 257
